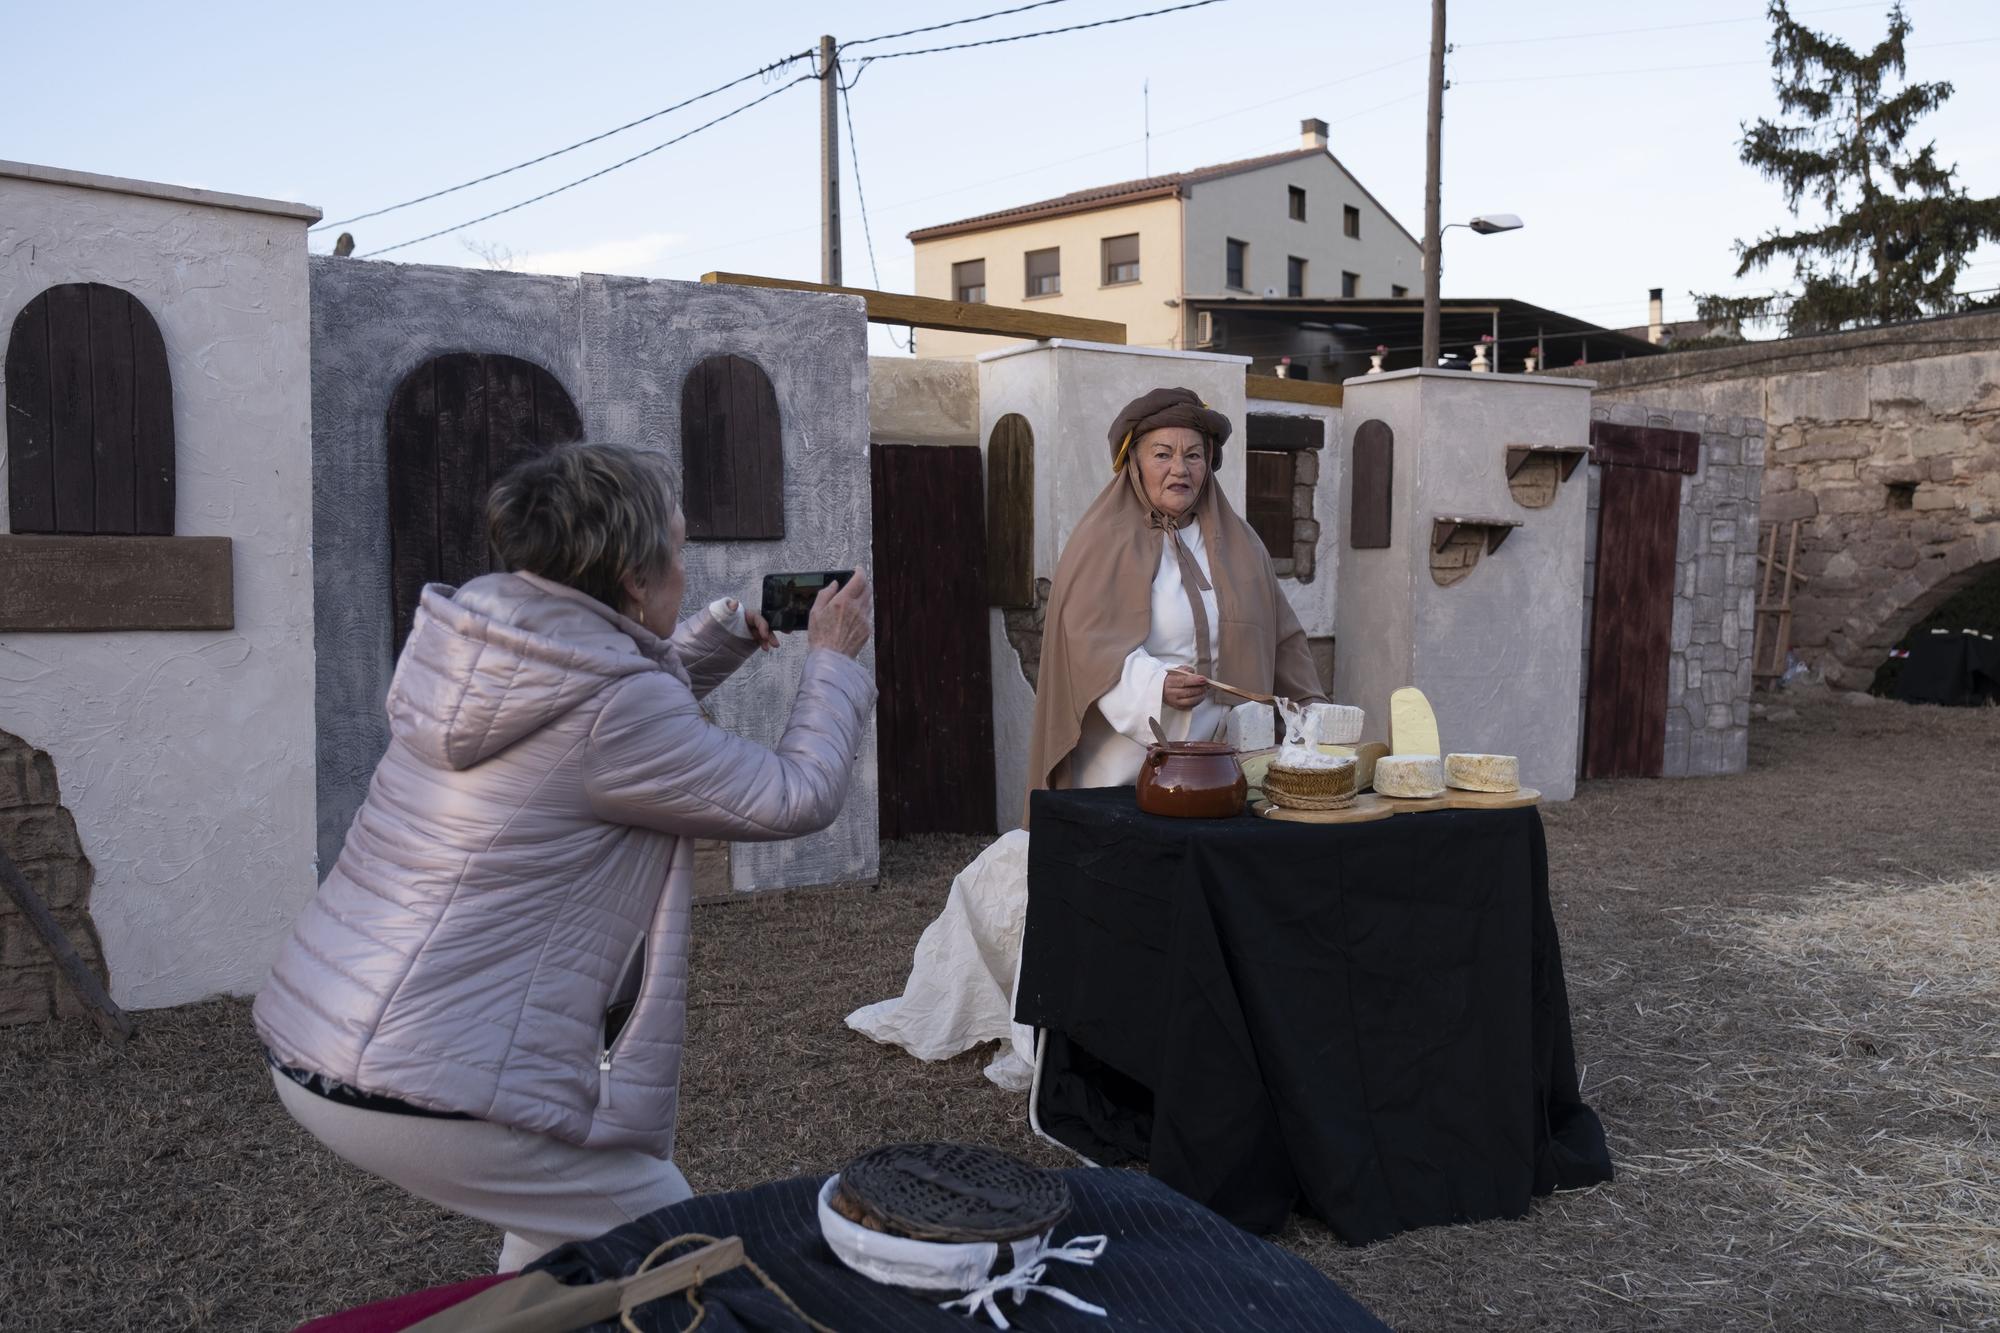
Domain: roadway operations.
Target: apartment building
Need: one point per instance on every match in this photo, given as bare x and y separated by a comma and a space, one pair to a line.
1295, 224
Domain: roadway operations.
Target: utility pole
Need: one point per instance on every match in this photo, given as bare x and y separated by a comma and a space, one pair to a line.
1433, 146
829, 163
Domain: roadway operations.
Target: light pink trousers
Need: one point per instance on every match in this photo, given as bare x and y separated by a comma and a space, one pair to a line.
540, 1191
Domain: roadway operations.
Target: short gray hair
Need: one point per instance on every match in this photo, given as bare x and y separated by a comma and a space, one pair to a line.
586, 515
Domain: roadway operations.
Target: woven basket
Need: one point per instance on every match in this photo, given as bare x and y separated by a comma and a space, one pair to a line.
951, 1192
1310, 788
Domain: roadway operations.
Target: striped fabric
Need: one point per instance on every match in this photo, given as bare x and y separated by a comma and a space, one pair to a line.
1170, 1264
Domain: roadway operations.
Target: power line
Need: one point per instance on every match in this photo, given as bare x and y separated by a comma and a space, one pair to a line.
1027, 36
955, 23
1663, 27
861, 197
581, 143
487, 217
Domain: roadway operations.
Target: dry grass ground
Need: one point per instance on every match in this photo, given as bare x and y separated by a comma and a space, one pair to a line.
1786, 1002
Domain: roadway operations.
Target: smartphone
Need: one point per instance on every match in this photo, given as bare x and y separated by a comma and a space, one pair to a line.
789, 598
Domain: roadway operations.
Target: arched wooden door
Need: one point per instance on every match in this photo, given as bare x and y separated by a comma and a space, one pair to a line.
455, 423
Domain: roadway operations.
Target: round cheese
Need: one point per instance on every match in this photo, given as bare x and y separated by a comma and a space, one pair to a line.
1409, 775
1482, 772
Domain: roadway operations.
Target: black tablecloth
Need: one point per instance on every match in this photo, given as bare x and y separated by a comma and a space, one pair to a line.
1169, 1265
1958, 669
1370, 1018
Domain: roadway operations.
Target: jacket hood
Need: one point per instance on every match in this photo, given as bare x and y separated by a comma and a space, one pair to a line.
502, 657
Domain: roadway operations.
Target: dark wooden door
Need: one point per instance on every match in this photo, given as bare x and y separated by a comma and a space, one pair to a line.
732, 453
933, 663
455, 424
1631, 627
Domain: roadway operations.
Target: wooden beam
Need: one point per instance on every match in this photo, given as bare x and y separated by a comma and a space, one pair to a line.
1273, 389
76, 584
928, 312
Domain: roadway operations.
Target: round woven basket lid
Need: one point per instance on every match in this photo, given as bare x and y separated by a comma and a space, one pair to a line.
955, 1192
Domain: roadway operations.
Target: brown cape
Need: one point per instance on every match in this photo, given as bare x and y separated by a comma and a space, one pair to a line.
1101, 606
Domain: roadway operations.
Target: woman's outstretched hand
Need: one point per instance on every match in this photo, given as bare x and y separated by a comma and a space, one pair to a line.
1184, 689
841, 617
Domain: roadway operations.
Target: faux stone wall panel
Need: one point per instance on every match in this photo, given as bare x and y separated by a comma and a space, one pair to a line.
1708, 673
621, 347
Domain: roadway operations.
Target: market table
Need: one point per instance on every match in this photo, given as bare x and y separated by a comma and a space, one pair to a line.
1370, 1019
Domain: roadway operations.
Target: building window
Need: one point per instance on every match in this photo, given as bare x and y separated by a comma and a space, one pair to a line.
1239, 255
1399, 292
1295, 276
1121, 259
1044, 272
1350, 284
1350, 221
1282, 468
968, 281
1298, 200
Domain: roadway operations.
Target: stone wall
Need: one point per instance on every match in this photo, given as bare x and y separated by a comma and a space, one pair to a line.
39, 837
1883, 443
1715, 589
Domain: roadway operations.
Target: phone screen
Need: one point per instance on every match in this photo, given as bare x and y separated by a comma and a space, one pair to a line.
789, 598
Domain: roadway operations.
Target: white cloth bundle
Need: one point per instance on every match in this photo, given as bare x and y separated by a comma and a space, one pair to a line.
935, 1266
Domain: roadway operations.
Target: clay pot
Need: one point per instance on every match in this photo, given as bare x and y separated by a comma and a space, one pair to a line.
1192, 780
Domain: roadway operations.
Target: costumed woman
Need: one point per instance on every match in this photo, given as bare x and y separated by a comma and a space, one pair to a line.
1161, 588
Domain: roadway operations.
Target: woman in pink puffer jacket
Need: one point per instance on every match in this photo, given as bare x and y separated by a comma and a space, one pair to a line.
521, 864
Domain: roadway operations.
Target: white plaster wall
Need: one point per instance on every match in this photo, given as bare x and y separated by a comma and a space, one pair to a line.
187, 758
1497, 653
1013, 727
1313, 603
1255, 207
1374, 625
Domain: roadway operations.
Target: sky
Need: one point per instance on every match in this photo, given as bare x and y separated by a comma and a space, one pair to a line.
1610, 128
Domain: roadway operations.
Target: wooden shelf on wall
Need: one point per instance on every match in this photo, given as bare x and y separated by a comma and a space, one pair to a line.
1496, 530
79, 584
929, 312
1518, 456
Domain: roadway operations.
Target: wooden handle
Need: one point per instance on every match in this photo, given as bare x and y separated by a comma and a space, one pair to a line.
1158, 734
1251, 695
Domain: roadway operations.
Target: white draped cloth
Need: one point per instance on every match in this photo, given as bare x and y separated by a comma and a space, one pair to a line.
961, 988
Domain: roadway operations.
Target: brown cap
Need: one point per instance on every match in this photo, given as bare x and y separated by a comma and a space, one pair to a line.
1169, 407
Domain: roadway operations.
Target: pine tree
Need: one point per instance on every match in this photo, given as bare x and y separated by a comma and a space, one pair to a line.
1900, 229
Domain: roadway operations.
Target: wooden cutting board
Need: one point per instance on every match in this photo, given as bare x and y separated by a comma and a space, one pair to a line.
1369, 806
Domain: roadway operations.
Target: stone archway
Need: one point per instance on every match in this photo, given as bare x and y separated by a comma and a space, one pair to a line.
39, 836
1858, 647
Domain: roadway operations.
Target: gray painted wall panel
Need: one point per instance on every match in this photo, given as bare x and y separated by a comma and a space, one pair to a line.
621, 346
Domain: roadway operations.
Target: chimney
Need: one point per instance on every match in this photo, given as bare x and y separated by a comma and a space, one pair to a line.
1654, 325
1312, 134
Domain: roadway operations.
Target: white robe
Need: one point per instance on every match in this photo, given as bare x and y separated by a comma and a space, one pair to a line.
961, 988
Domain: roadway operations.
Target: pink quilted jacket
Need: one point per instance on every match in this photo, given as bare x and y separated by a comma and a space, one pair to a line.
524, 847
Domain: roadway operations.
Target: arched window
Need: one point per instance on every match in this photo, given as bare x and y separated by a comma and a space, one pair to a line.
732, 453
90, 416
1372, 483
1010, 512
455, 424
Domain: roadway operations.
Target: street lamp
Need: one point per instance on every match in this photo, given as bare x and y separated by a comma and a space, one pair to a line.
1486, 224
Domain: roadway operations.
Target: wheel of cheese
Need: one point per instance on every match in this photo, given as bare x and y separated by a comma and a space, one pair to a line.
1482, 772
1409, 775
